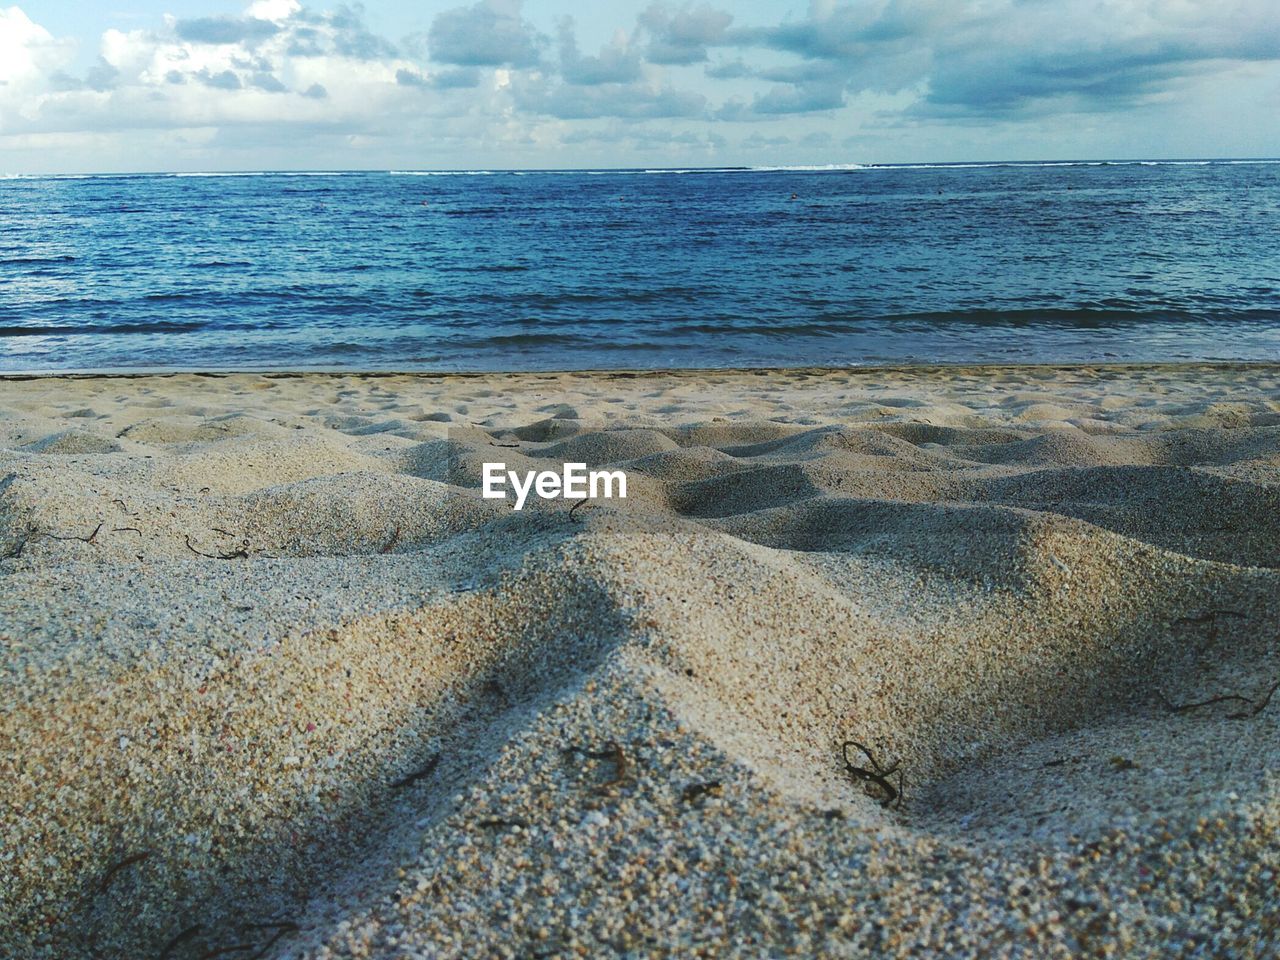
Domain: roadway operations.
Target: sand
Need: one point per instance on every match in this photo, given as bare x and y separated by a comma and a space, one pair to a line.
277, 682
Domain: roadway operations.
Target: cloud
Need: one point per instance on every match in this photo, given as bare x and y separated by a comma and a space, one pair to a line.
759, 140
267, 82
351, 38
635, 101
616, 62
1009, 57
223, 80
243, 30
205, 73
800, 98
461, 79
466, 78
681, 37
730, 70
646, 139
1061, 62
491, 33
28, 52
411, 78
492, 76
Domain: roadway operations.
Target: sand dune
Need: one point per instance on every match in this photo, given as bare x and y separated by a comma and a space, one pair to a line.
278, 682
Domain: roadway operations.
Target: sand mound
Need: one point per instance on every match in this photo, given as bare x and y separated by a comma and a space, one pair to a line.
72, 442
608, 446
277, 681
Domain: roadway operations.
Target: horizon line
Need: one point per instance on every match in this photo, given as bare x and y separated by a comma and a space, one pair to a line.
833, 167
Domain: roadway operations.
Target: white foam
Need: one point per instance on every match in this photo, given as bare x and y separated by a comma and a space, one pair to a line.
444, 173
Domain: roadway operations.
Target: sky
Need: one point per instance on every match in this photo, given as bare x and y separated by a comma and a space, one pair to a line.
184, 85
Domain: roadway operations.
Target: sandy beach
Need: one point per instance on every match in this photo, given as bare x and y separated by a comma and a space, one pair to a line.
905, 662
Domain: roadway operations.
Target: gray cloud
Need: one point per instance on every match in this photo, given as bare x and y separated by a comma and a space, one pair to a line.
352, 39
614, 64
244, 30
464, 78
730, 70
850, 32
644, 138
411, 78
800, 98
1021, 57
223, 80
101, 77
491, 33
267, 82
634, 101
341, 31
1062, 71
461, 79
306, 42
681, 37
901, 72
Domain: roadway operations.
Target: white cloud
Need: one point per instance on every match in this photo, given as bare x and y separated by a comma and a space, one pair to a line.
27, 50
175, 77
289, 84
30, 60
273, 10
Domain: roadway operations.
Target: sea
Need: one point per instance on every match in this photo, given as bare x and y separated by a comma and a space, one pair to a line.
458, 270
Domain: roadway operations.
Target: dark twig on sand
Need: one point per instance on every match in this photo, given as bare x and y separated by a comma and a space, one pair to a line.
425, 771
1257, 707
576, 505
1252, 707
497, 823
178, 941
1184, 707
694, 791
621, 768
876, 775
282, 929
89, 539
117, 867
1062, 761
223, 951
240, 554
1210, 617
612, 751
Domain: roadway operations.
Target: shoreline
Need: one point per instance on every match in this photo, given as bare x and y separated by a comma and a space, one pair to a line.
126, 373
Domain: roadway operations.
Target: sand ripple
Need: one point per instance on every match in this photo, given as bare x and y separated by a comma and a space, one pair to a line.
275, 677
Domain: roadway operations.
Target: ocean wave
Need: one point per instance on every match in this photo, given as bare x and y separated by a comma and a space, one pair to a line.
446, 173
36, 261
811, 167
1036, 164
83, 330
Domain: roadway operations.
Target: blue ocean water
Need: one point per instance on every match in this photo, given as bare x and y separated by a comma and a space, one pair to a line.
591, 269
